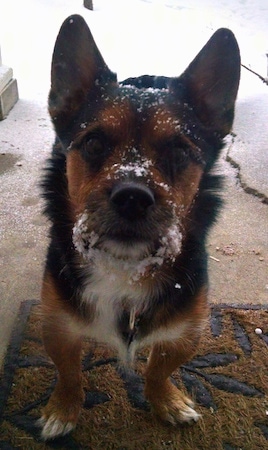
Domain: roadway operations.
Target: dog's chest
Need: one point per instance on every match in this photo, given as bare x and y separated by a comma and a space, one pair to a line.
122, 310
116, 301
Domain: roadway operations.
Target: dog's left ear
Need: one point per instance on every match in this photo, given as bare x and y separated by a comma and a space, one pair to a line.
211, 81
77, 69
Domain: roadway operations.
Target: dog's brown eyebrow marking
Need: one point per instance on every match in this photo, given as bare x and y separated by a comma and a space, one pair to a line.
147, 112
162, 122
116, 115
114, 121
162, 126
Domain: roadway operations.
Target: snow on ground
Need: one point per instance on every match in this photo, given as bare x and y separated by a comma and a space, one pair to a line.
135, 36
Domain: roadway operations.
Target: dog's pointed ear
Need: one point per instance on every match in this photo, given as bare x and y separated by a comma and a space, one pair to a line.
77, 68
211, 81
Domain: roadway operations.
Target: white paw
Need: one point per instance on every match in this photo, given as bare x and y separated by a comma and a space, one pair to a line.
182, 414
189, 414
53, 427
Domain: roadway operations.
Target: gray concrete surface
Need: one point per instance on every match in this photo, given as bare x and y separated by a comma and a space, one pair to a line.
238, 244
25, 140
250, 152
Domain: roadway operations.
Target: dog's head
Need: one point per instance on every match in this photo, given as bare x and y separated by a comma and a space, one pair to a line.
137, 153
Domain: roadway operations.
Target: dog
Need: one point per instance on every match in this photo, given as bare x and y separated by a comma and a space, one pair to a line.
131, 194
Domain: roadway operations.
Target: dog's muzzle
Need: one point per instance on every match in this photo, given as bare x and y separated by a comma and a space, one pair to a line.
132, 200
130, 225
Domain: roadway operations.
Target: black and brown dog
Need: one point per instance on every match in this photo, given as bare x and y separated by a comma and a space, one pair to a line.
131, 196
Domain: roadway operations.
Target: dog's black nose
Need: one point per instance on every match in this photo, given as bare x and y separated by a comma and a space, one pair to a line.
132, 200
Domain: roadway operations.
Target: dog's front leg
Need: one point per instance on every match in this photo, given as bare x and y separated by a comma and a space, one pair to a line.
61, 413
168, 402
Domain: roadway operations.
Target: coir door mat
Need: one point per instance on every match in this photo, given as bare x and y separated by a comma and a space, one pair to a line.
228, 379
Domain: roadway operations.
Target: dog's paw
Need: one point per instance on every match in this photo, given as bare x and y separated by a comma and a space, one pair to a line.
171, 405
60, 415
180, 411
52, 427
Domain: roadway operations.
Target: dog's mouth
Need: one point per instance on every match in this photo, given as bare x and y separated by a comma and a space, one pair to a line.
134, 251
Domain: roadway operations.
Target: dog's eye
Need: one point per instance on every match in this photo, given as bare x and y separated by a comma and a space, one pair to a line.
180, 157
94, 150
174, 160
93, 146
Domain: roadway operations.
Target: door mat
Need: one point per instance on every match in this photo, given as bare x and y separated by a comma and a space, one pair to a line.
228, 378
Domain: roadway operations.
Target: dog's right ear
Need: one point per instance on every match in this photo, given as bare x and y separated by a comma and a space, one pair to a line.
210, 83
77, 68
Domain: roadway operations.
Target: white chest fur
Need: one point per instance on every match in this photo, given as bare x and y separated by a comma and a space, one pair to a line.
122, 279
110, 290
